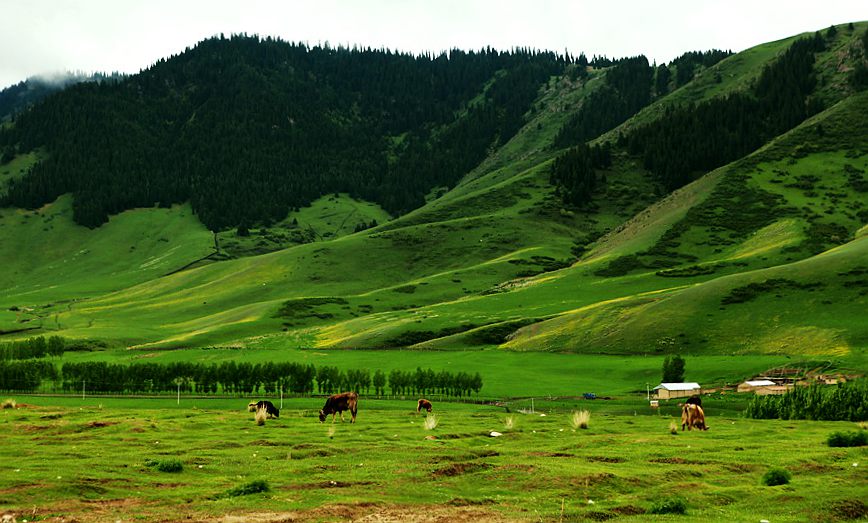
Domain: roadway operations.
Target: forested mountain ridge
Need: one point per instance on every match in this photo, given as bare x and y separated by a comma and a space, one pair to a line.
18, 97
506, 254
247, 128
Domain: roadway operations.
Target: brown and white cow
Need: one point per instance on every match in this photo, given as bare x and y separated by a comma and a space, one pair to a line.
338, 403
692, 416
424, 404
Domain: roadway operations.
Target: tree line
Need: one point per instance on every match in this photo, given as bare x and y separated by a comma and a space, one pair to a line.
626, 89
845, 402
229, 378
37, 347
247, 128
692, 139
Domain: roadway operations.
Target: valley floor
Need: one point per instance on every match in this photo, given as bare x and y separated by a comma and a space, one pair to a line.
97, 459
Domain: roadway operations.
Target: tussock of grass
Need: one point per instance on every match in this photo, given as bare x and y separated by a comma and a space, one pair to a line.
253, 487
430, 422
167, 465
673, 505
509, 422
673, 428
776, 476
8, 404
579, 419
261, 414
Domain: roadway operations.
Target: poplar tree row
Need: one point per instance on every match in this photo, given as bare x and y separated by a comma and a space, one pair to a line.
36, 347
229, 378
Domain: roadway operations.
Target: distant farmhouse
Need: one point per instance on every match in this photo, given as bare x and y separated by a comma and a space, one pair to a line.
666, 391
763, 387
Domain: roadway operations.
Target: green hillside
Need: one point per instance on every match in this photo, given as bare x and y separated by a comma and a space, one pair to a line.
760, 256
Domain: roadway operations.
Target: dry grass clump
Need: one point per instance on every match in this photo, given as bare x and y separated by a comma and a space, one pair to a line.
509, 422
673, 427
261, 414
579, 419
8, 404
430, 422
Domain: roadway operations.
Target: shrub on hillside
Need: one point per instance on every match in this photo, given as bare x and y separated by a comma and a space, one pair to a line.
776, 476
858, 438
673, 505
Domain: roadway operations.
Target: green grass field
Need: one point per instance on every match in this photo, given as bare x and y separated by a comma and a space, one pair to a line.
99, 460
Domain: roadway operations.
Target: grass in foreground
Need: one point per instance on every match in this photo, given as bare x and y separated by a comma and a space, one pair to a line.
90, 462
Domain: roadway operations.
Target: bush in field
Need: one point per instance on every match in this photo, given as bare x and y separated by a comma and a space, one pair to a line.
669, 506
846, 402
254, 487
776, 476
858, 438
169, 465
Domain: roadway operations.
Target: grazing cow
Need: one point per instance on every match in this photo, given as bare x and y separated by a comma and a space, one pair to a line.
424, 404
692, 417
694, 400
338, 403
270, 410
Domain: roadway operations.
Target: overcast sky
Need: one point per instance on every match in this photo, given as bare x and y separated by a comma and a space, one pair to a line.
44, 36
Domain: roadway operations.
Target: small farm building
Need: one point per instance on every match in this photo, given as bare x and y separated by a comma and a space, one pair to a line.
667, 391
763, 387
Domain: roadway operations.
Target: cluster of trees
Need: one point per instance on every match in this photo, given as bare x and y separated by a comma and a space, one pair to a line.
626, 90
230, 378
227, 377
22, 95
686, 66
859, 76
697, 138
26, 375
673, 369
424, 382
37, 347
846, 402
247, 128
574, 173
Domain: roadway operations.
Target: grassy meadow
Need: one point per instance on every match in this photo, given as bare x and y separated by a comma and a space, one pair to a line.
100, 459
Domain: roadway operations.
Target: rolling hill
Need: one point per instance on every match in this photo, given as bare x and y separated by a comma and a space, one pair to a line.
761, 255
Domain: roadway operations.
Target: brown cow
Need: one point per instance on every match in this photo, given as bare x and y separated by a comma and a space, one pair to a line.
424, 404
338, 403
692, 416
